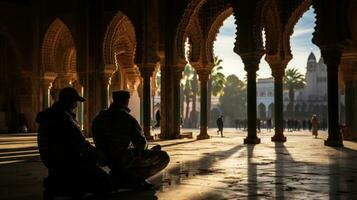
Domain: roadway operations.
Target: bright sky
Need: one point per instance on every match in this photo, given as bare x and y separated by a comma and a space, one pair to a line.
301, 46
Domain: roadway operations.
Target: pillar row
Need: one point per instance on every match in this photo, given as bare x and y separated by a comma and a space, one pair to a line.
278, 74
146, 73
332, 58
47, 81
203, 75
251, 65
176, 100
350, 79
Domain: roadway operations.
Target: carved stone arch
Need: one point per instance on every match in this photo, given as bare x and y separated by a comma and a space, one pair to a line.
58, 53
291, 22
212, 33
189, 14
119, 29
194, 33
272, 25
248, 15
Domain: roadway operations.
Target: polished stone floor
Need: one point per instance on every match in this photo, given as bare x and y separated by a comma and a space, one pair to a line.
218, 168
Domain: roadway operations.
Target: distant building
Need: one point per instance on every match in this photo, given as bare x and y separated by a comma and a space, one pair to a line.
310, 100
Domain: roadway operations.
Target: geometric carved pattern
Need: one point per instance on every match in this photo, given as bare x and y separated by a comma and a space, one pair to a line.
58, 52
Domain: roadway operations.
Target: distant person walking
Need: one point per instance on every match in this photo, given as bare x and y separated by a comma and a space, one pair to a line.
220, 125
258, 125
315, 125
269, 124
157, 118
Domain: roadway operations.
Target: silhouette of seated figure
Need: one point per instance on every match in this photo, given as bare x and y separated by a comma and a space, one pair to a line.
70, 159
119, 137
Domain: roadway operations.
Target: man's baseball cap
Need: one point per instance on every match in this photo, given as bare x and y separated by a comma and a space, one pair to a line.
69, 93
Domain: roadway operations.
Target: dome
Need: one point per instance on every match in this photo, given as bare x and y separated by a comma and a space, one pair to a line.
311, 58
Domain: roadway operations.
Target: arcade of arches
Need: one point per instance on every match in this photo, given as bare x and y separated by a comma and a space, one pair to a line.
101, 46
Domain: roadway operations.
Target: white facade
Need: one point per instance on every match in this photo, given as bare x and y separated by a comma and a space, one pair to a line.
311, 99
265, 97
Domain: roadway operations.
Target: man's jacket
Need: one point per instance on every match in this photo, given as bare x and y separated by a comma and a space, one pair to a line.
60, 140
115, 130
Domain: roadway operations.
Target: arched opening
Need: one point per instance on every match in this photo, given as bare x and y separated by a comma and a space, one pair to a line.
271, 111
120, 70
189, 90
262, 111
300, 28
59, 65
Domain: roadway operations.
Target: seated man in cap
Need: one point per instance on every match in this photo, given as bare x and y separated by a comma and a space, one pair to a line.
70, 159
119, 137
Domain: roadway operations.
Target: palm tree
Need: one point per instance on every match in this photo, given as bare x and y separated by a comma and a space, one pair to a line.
293, 80
216, 83
187, 89
194, 87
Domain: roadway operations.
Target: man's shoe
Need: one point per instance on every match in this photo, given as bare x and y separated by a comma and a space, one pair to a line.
156, 147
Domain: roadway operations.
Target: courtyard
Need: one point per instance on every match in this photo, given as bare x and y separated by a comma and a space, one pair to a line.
217, 168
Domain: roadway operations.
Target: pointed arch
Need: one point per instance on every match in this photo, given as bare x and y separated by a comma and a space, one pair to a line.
58, 52
293, 18
213, 31
119, 41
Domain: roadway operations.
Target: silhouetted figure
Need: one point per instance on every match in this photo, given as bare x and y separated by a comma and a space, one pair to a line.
119, 137
236, 123
245, 124
220, 125
269, 124
258, 125
309, 124
303, 124
157, 118
315, 125
72, 161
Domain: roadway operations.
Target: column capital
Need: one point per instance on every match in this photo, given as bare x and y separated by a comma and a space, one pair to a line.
48, 78
251, 60
278, 74
331, 54
147, 69
203, 74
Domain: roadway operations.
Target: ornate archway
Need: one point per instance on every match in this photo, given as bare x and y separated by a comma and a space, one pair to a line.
120, 71
58, 60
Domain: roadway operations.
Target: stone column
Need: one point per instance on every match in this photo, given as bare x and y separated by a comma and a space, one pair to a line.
251, 65
176, 100
48, 79
146, 73
350, 80
203, 75
109, 70
278, 74
332, 57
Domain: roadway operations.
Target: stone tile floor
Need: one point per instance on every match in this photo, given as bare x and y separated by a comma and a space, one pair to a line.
218, 168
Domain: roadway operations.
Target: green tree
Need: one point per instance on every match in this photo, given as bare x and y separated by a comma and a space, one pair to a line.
216, 83
194, 87
232, 103
187, 89
293, 80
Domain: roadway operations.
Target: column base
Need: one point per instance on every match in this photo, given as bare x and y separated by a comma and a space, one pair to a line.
334, 143
203, 137
278, 138
248, 140
279, 135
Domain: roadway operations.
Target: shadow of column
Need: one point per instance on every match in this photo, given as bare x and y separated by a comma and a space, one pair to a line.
279, 170
334, 179
252, 174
